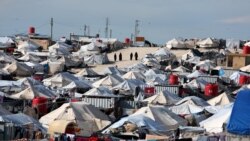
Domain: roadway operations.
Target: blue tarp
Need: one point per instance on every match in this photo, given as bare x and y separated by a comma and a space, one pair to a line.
239, 122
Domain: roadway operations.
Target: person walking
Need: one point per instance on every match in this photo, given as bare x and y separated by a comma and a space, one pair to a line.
115, 57
120, 56
131, 56
136, 55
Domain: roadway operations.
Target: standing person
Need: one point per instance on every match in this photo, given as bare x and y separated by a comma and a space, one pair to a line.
131, 56
136, 55
120, 56
115, 57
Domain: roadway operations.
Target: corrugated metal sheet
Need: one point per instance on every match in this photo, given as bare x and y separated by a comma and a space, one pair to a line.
171, 88
210, 79
128, 104
100, 102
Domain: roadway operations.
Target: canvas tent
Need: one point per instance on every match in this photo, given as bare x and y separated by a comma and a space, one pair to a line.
80, 84
175, 43
245, 68
96, 59
205, 65
134, 75
27, 46
156, 119
240, 116
99, 92
86, 72
60, 80
208, 42
189, 105
30, 57
88, 118
195, 74
214, 124
113, 71
163, 98
19, 69
108, 81
126, 87
164, 54
32, 92
222, 99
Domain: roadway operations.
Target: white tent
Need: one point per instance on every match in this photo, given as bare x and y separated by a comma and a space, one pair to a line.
113, 70
195, 74
181, 69
231, 43
247, 44
214, 124
245, 68
60, 80
126, 87
108, 81
96, 59
151, 74
193, 60
157, 119
206, 65
163, 98
6, 40
60, 49
86, 72
30, 57
78, 84
196, 84
175, 43
88, 118
6, 58
164, 54
20, 69
208, 42
222, 99
90, 47
22, 120
134, 75
189, 105
32, 92
99, 92
27, 46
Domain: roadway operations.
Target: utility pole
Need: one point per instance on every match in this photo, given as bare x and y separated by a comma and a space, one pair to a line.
85, 30
136, 30
110, 33
107, 28
51, 28
88, 30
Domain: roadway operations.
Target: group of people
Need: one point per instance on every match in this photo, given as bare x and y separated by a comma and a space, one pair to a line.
131, 56
136, 56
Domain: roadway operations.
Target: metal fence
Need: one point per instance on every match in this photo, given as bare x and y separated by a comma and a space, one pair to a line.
100, 102
210, 79
175, 89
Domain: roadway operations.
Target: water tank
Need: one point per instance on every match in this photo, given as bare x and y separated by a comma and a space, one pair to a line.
211, 89
40, 103
149, 91
246, 50
127, 40
173, 79
31, 30
243, 79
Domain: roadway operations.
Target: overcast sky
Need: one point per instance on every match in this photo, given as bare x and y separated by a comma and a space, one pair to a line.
160, 20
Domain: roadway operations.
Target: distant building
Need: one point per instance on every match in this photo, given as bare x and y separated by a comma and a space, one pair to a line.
42, 40
237, 61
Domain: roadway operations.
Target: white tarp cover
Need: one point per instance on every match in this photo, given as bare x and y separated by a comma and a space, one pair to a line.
189, 105
30, 57
20, 69
134, 75
164, 54
126, 87
231, 43
60, 80
55, 67
78, 84
22, 120
193, 60
222, 99
96, 59
108, 81
154, 118
60, 49
70, 61
6, 58
214, 124
6, 40
206, 65
208, 42
196, 84
86, 72
163, 98
195, 74
151, 74
86, 116
27, 46
175, 43
181, 69
245, 68
113, 70
32, 92
99, 92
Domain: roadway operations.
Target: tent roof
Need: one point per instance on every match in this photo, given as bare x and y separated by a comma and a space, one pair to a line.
86, 72
59, 126
164, 98
221, 99
109, 81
